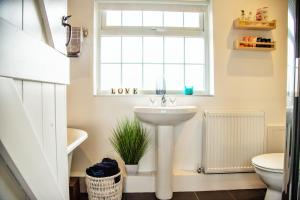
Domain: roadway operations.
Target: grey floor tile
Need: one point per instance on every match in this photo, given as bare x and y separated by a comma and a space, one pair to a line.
184, 196
257, 194
214, 195
139, 196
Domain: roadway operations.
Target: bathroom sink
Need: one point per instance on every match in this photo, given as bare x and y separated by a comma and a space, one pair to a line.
165, 116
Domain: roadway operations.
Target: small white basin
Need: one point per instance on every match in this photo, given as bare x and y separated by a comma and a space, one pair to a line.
165, 116
75, 137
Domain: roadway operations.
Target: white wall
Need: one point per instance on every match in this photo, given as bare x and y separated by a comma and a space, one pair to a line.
243, 80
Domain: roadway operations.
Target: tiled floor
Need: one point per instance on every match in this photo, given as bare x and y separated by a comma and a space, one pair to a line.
258, 194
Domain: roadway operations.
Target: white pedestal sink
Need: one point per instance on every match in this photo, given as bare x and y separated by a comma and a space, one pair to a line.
165, 118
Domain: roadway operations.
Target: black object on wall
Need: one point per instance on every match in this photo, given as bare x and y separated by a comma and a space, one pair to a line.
291, 185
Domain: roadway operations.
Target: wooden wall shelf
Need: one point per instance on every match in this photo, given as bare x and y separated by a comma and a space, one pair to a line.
252, 47
255, 25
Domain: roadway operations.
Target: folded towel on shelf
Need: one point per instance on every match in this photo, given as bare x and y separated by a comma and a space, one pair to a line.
107, 167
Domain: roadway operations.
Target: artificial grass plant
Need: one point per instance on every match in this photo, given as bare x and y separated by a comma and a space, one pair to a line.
130, 140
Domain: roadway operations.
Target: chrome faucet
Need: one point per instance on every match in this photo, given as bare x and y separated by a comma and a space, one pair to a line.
163, 100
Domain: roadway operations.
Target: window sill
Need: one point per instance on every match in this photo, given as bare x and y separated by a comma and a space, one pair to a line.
148, 95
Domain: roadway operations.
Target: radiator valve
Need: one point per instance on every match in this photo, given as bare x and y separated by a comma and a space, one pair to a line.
200, 170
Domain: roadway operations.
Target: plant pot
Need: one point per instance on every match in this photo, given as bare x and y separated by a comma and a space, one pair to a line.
131, 169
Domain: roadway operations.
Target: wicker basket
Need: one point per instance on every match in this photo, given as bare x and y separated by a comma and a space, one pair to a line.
106, 188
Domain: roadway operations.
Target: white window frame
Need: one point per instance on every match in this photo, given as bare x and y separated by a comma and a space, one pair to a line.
102, 30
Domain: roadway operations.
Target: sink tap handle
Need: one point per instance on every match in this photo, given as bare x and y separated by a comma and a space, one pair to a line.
163, 100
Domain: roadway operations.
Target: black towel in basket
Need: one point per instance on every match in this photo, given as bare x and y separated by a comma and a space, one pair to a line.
107, 167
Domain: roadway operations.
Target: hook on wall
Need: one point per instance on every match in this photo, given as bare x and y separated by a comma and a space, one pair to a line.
64, 20
85, 32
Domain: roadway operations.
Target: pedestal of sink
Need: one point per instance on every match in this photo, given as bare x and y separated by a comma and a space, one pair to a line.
165, 118
164, 173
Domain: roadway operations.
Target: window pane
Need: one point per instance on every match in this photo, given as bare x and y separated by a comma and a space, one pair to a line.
153, 49
151, 73
194, 76
132, 75
174, 50
110, 76
131, 49
152, 18
173, 19
174, 77
113, 18
194, 50
138, 60
191, 19
110, 49
132, 18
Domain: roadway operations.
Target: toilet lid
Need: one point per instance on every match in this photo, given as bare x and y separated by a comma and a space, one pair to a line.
270, 162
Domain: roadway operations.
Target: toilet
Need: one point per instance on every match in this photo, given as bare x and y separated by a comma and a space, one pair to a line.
269, 167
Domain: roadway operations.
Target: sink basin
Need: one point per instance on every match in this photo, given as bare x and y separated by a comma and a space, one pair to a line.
165, 116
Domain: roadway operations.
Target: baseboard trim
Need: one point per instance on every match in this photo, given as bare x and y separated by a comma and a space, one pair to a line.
192, 181
184, 181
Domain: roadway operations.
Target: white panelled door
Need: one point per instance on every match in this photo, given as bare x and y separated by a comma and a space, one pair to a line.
45, 105
33, 103
49, 134
61, 137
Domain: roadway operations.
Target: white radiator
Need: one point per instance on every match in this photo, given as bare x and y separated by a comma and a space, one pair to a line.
231, 139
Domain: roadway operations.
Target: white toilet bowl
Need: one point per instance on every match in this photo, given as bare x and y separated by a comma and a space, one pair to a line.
269, 167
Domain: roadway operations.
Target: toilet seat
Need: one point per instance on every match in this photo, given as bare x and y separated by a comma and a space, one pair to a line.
272, 162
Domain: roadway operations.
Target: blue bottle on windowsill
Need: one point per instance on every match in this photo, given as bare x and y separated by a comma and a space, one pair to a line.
188, 90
